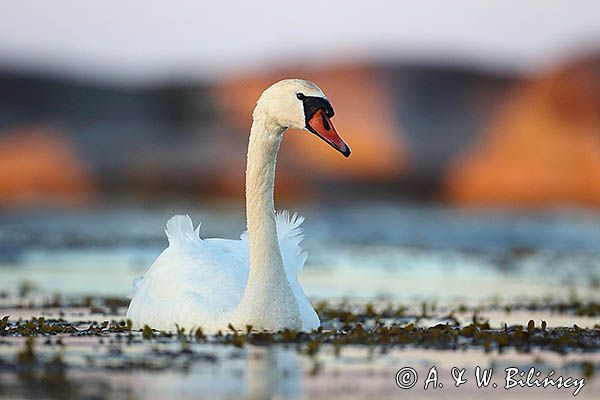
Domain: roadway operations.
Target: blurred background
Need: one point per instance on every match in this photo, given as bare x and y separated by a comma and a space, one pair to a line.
474, 178
470, 103
475, 128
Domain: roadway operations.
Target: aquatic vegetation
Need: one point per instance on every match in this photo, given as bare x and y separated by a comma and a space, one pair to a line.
353, 328
376, 327
4, 322
147, 332
572, 307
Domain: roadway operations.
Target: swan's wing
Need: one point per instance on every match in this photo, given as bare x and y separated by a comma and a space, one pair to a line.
181, 233
198, 280
182, 241
192, 278
289, 232
215, 268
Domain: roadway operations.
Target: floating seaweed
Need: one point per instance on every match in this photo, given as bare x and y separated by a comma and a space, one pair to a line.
378, 327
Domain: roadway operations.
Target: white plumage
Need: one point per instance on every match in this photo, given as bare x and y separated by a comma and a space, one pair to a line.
198, 282
211, 283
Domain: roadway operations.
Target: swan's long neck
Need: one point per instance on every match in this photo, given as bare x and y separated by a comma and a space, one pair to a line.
268, 301
265, 256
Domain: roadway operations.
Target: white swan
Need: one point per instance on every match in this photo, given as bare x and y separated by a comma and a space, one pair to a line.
211, 283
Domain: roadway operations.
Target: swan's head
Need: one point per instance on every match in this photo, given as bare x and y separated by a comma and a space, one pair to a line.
300, 104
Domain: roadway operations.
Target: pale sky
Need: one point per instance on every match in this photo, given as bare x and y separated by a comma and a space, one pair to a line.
149, 41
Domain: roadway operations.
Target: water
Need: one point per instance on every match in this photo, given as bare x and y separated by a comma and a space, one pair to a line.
399, 252
382, 253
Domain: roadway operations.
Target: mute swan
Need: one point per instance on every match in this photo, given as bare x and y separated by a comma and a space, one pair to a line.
211, 283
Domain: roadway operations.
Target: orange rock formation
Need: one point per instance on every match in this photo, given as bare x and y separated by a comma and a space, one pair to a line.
542, 146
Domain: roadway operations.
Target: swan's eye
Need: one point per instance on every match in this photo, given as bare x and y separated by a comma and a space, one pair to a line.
300, 96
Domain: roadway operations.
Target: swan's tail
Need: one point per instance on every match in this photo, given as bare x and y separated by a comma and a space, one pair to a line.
180, 231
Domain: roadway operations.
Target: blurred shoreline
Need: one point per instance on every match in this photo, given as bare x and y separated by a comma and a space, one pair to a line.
447, 134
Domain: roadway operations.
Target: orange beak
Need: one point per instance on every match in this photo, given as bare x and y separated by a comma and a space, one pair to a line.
321, 125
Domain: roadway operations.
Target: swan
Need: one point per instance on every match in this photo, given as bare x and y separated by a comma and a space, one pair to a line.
214, 283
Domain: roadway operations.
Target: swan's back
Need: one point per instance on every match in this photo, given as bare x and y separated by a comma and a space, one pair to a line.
198, 282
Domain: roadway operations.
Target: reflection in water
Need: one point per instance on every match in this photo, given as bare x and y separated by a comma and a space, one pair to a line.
272, 372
